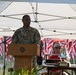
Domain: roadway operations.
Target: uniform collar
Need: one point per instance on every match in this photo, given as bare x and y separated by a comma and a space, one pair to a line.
26, 28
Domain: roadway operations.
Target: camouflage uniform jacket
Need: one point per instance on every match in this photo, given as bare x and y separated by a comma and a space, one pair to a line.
23, 36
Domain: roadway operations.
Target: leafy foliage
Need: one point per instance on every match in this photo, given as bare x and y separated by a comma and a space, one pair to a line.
24, 71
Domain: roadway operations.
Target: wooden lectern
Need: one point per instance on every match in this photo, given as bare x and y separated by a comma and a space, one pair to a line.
23, 54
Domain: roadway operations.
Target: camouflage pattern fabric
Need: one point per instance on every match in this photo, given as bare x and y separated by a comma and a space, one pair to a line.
23, 36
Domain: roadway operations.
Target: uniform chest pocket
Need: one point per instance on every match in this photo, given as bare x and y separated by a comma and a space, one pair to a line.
31, 37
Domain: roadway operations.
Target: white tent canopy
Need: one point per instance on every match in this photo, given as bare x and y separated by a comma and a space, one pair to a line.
51, 19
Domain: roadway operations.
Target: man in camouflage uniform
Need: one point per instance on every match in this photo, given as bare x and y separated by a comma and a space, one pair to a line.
26, 34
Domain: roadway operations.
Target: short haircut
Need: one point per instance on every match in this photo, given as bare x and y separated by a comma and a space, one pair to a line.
25, 16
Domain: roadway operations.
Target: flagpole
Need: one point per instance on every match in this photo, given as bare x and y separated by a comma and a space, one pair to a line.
4, 55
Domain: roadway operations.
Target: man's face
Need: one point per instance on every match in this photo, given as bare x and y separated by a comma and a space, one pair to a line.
26, 21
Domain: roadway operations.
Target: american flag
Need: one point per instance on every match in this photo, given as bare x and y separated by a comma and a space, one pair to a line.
49, 42
73, 48
8, 40
69, 45
46, 46
63, 42
43, 47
